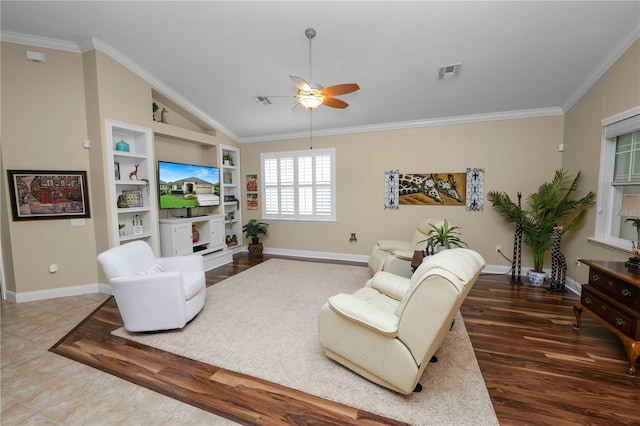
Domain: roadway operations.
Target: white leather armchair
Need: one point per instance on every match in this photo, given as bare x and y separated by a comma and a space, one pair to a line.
388, 330
154, 293
395, 255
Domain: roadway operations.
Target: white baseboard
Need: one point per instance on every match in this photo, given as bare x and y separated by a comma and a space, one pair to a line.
54, 293
30, 296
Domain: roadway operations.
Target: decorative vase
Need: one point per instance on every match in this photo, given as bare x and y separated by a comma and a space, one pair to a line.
536, 278
195, 234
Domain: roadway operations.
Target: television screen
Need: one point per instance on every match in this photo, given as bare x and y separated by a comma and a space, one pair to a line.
187, 185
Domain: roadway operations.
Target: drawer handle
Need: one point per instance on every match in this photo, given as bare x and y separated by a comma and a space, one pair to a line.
596, 277
603, 307
610, 282
626, 292
588, 300
620, 322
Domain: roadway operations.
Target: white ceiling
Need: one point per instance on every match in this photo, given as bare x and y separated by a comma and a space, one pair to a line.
519, 58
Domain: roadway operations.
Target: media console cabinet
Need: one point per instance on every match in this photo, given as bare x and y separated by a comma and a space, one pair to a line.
612, 297
202, 235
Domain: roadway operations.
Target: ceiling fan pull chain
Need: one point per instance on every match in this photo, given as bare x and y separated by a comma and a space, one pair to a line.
310, 129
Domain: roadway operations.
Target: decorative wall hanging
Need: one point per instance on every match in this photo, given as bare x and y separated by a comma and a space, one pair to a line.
391, 189
252, 183
48, 194
432, 189
475, 190
252, 201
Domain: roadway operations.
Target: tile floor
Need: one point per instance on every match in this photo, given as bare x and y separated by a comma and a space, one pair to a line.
39, 387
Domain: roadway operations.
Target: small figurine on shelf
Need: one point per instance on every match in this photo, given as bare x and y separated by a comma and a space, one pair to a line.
162, 117
155, 109
134, 173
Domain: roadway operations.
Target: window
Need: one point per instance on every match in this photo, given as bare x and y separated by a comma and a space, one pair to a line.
299, 185
619, 190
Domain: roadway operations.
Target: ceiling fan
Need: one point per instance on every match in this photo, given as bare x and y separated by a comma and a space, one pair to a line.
311, 95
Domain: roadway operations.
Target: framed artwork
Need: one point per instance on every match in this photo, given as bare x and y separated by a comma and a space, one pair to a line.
252, 201
133, 198
252, 183
37, 195
438, 189
116, 169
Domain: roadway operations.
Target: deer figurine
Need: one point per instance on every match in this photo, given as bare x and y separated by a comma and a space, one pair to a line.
134, 173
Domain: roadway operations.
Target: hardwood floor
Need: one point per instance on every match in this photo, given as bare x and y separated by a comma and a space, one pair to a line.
538, 370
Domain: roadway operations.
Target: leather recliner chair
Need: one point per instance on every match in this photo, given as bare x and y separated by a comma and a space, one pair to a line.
154, 293
395, 256
388, 330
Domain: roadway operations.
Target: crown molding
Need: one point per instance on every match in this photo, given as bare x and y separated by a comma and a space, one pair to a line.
96, 44
476, 118
44, 42
604, 65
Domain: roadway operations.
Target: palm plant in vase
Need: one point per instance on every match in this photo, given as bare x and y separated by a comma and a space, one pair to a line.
552, 205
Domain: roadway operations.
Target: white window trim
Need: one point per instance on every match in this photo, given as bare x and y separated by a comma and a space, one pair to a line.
297, 217
606, 212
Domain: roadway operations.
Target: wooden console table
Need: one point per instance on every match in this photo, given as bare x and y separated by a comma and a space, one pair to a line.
612, 297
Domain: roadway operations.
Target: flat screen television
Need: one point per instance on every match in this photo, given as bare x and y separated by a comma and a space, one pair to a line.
184, 186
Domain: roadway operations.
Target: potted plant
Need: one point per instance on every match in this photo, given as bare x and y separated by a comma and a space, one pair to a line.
227, 159
552, 205
445, 236
253, 229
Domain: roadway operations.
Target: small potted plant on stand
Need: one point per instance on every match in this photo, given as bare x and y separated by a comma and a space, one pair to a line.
551, 206
444, 237
253, 229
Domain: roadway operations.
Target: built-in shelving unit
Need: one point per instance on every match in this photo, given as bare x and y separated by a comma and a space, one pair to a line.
132, 184
231, 194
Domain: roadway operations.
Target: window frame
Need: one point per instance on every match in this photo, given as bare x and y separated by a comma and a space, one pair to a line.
607, 229
296, 216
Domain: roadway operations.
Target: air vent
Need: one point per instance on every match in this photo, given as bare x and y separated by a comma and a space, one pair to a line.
262, 100
447, 72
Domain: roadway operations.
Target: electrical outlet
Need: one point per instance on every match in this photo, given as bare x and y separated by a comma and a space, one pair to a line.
498, 248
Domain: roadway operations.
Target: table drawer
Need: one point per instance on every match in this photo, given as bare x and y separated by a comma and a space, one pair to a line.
626, 293
611, 311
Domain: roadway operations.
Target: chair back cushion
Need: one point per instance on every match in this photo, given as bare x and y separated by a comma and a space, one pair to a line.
418, 242
127, 259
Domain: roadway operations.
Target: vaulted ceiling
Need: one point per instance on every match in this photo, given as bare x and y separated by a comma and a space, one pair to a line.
518, 58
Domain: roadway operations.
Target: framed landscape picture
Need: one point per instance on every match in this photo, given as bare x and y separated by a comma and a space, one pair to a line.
49, 194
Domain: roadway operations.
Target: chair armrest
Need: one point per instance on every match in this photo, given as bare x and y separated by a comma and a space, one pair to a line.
192, 262
403, 254
364, 313
391, 245
145, 287
390, 284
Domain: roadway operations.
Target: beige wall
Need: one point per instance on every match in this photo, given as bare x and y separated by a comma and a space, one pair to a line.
518, 155
48, 109
44, 123
616, 91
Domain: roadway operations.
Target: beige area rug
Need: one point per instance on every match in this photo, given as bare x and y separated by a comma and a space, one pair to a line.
263, 322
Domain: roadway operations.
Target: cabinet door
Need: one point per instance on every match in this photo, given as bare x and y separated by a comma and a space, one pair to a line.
182, 239
217, 232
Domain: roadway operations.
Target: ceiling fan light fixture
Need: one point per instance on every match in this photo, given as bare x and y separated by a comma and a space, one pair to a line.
310, 100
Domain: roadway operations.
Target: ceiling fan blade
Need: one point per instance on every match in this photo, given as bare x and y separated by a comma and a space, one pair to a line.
334, 103
300, 83
340, 89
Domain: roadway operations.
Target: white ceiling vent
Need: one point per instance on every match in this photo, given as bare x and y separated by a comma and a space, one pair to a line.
447, 72
262, 100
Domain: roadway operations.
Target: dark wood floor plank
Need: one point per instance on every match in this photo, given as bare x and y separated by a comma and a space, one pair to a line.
537, 368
